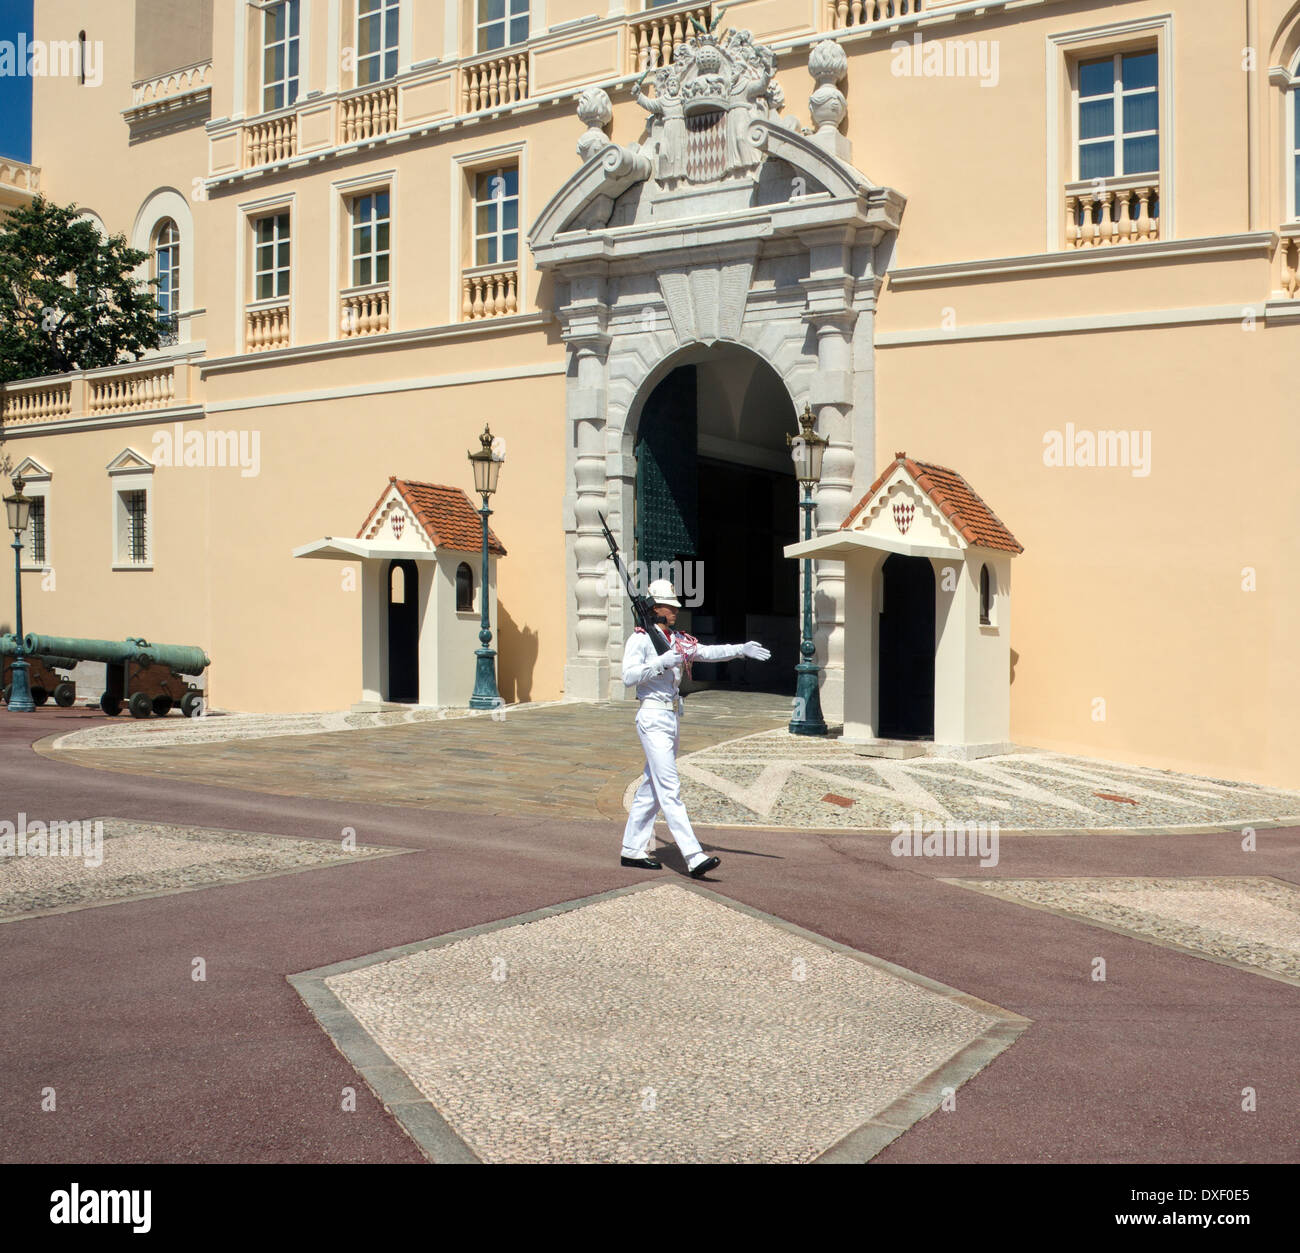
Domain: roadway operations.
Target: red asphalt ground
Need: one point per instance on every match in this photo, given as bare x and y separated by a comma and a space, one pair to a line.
149, 1066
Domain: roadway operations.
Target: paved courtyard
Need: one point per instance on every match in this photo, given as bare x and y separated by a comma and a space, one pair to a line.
417, 943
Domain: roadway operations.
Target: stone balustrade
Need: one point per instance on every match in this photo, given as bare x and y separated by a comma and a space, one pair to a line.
487, 84
274, 140
651, 39
266, 327
43, 400
180, 82
17, 174
842, 14
364, 313
1288, 253
1112, 211
134, 392
367, 116
489, 292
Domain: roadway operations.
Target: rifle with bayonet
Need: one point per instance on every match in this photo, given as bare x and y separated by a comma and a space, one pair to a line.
643, 609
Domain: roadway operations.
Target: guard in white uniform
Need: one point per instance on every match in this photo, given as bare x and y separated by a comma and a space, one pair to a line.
657, 678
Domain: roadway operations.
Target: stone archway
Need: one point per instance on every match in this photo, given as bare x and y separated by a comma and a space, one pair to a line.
779, 246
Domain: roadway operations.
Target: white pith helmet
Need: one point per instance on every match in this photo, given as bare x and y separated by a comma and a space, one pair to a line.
661, 591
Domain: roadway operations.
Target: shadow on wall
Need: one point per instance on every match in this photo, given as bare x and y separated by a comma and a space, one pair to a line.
517, 658
1015, 657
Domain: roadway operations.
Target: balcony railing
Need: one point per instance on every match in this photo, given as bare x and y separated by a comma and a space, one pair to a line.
276, 140
1288, 253
487, 84
368, 116
266, 326
192, 78
841, 14
1112, 211
138, 387
17, 174
652, 39
364, 311
489, 291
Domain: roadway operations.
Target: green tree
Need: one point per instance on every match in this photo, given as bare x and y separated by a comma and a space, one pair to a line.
69, 300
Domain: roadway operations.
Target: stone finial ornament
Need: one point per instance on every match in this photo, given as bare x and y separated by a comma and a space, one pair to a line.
595, 112
827, 105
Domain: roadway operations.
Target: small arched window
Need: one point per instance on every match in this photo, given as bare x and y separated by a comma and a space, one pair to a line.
396, 585
464, 588
986, 597
167, 271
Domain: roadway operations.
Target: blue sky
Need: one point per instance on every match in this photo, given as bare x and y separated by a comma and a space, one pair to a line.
15, 93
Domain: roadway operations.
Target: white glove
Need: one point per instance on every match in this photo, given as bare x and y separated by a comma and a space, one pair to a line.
672, 660
755, 650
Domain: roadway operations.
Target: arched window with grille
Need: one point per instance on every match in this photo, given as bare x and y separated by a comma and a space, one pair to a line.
986, 596
464, 588
167, 272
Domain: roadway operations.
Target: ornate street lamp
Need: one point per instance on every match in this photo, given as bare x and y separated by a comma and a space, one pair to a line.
18, 510
487, 466
807, 449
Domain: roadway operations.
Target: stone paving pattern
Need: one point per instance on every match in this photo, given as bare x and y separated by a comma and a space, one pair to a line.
145, 859
657, 1026
566, 759
777, 779
1253, 922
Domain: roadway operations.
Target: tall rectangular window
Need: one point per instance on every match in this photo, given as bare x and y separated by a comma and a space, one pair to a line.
35, 537
377, 35
496, 215
370, 239
1295, 158
1118, 122
280, 55
501, 23
271, 257
135, 505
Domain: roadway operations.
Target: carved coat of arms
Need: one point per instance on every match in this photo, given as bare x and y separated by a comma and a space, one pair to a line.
398, 522
903, 517
704, 103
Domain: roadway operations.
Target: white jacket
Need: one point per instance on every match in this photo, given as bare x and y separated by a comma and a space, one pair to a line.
644, 668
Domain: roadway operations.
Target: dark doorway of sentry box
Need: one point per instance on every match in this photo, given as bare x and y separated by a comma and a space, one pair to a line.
403, 631
907, 650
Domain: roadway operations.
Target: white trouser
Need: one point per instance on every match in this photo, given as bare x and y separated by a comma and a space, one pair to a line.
660, 788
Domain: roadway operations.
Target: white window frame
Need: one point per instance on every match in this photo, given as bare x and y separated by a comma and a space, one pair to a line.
273, 215
499, 234
1091, 44
382, 8
464, 166
36, 484
374, 221
130, 472
1291, 95
1117, 95
173, 269
291, 83
514, 10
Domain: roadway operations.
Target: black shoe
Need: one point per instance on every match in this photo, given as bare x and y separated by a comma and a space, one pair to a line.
641, 863
705, 866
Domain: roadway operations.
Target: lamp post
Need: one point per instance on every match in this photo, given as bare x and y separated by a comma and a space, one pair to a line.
807, 449
487, 466
18, 510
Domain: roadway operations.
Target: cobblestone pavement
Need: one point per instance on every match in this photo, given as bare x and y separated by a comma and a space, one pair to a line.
663, 1025
1249, 922
569, 759
127, 860
774, 779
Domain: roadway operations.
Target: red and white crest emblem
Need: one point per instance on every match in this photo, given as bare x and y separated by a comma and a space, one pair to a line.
398, 521
903, 517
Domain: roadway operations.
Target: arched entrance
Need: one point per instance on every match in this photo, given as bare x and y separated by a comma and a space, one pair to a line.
907, 619
403, 591
715, 503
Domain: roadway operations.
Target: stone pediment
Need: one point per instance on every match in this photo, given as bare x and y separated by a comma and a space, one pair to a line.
715, 150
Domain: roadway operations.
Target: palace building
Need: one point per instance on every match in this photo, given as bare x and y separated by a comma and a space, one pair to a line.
1031, 265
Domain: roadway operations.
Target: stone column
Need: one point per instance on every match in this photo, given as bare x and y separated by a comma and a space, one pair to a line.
586, 672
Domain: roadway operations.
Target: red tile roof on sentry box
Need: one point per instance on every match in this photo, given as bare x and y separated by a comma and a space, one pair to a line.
446, 515
956, 500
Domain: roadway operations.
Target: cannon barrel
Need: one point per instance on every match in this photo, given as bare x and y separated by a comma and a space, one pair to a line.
177, 657
9, 648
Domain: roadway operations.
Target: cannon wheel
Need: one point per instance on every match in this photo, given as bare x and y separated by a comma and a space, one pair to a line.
65, 695
162, 706
140, 705
110, 705
192, 704
39, 695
